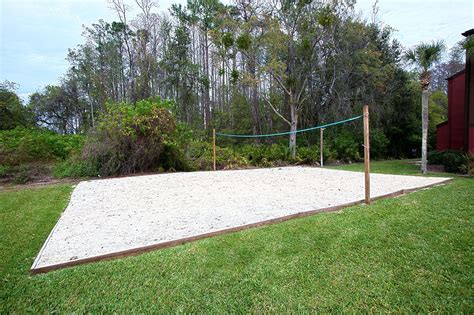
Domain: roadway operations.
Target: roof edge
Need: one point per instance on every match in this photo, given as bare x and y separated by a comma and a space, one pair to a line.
456, 74
468, 32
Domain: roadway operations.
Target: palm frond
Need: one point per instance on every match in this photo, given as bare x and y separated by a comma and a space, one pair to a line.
430, 53
425, 55
410, 55
469, 46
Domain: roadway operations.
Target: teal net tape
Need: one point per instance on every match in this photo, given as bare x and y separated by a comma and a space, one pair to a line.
288, 132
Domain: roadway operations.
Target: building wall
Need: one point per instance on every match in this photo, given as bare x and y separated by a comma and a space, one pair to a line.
442, 136
456, 117
469, 103
451, 134
471, 141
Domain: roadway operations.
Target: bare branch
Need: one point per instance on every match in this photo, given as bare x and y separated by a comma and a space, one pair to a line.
280, 83
275, 110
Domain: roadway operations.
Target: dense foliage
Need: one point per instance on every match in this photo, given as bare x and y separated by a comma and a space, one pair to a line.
451, 160
29, 153
130, 138
12, 111
21, 145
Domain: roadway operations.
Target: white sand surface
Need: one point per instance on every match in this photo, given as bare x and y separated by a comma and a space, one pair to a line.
110, 215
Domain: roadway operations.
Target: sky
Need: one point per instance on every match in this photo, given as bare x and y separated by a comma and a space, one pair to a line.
35, 34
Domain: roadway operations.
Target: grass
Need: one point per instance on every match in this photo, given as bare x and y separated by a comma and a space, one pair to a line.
407, 254
399, 167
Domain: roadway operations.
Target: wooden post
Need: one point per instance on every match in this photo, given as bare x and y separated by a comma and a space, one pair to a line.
321, 146
366, 154
214, 147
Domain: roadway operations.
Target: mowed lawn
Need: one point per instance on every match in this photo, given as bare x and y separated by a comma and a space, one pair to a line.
408, 254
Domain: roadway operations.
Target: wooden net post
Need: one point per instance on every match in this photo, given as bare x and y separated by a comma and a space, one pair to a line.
214, 148
321, 132
366, 154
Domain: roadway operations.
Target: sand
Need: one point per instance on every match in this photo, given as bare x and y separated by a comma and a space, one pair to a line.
112, 215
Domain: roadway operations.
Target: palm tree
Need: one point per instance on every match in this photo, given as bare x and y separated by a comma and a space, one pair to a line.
468, 45
424, 56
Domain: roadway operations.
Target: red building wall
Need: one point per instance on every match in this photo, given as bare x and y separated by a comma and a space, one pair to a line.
442, 136
456, 117
451, 134
471, 141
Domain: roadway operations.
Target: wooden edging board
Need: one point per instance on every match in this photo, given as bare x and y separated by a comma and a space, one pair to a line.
148, 248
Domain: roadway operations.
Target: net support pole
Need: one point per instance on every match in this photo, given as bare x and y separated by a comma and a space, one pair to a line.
366, 154
321, 145
214, 148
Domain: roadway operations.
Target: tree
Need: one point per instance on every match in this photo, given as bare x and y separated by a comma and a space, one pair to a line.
12, 111
424, 56
60, 108
204, 15
291, 33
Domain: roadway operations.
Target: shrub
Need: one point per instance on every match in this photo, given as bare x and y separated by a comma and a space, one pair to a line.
130, 138
347, 146
311, 155
200, 154
172, 158
378, 144
27, 145
308, 155
21, 174
265, 155
3, 170
76, 168
468, 166
451, 160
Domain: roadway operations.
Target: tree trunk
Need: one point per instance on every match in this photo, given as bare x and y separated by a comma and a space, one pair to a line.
206, 96
293, 128
424, 126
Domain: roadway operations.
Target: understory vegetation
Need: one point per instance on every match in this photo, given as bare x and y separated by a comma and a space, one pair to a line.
411, 254
31, 153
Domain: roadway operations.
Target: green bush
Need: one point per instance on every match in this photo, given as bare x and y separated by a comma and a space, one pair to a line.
75, 168
468, 166
308, 155
347, 146
378, 144
172, 158
23, 145
451, 160
311, 155
3, 170
200, 154
129, 138
264, 155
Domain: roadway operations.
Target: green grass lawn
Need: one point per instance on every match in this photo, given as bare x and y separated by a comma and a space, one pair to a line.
408, 254
399, 167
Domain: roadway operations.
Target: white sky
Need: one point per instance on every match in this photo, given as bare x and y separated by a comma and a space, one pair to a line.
36, 34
